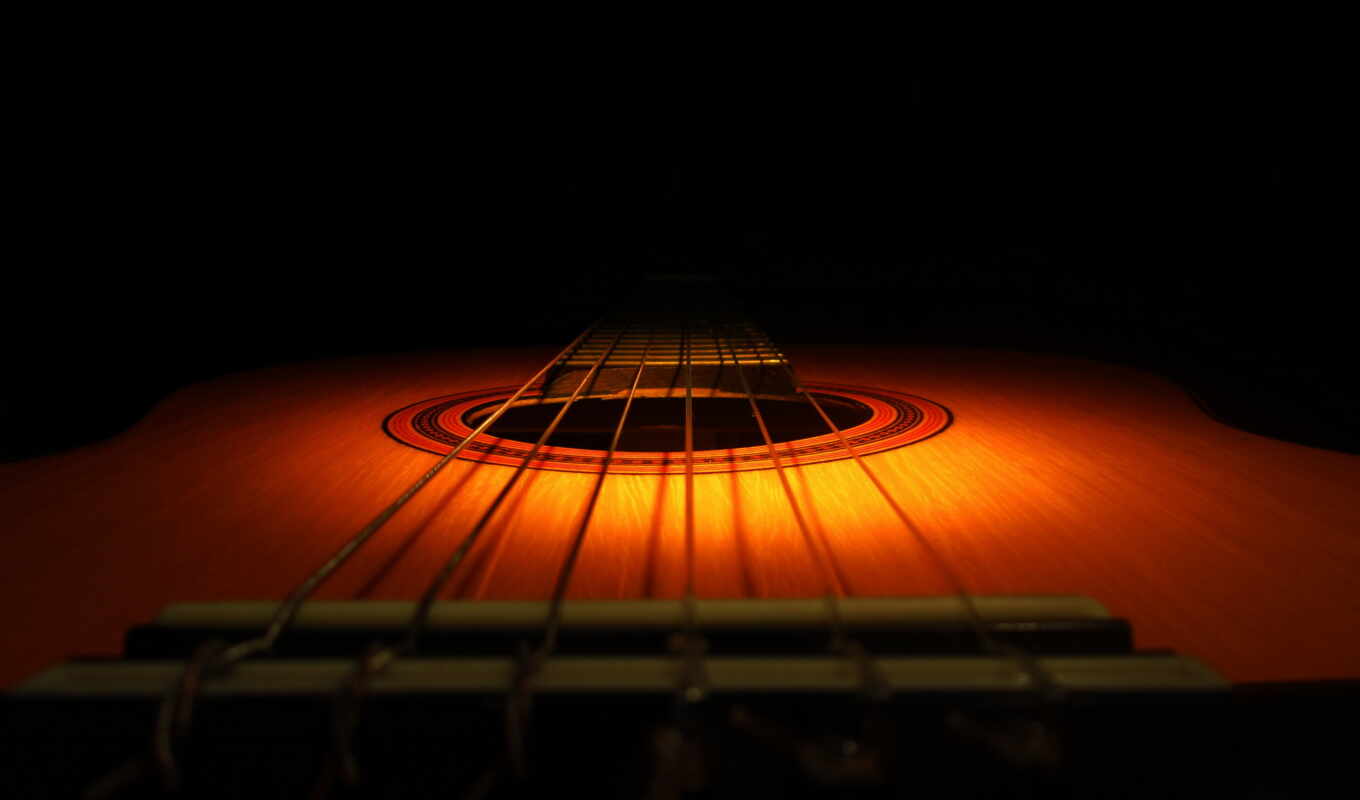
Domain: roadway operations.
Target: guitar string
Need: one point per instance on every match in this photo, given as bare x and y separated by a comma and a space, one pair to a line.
1043, 683
176, 705
689, 475
835, 586
833, 578
532, 662
830, 571
378, 657
568, 568
690, 645
431, 593
830, 575
288, 611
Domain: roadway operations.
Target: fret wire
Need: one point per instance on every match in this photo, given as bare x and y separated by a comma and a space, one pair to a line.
763, 345
754, 346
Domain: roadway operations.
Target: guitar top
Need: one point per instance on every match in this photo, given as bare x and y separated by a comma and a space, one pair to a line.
1045, 475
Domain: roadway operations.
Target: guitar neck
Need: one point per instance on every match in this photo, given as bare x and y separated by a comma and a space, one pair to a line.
681, 330
712, 356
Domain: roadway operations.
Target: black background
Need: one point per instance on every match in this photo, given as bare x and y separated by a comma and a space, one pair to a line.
185, 223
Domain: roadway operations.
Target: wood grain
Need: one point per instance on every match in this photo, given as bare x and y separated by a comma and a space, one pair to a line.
1058, 476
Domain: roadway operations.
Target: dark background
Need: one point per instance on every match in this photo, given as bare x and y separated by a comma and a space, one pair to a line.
186, 224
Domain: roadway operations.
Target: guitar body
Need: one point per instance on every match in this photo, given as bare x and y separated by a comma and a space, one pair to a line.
1056, 476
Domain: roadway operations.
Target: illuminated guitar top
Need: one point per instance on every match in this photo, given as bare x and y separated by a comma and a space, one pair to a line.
908, 507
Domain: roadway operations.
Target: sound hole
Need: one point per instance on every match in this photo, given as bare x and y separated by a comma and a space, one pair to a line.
658, 423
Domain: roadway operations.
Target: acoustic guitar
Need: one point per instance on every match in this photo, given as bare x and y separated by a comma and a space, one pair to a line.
670, 558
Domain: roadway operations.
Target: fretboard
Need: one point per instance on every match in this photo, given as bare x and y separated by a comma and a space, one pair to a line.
714, 354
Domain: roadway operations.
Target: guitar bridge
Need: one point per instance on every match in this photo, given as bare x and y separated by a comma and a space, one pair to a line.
614, 695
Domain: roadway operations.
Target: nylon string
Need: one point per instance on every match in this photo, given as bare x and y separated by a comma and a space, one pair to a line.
532, 662
378, 658
176, 706
1028, 665
289, 610
832, 582
690, 645
420, 618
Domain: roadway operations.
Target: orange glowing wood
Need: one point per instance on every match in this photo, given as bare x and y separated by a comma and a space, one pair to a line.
1058, 476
